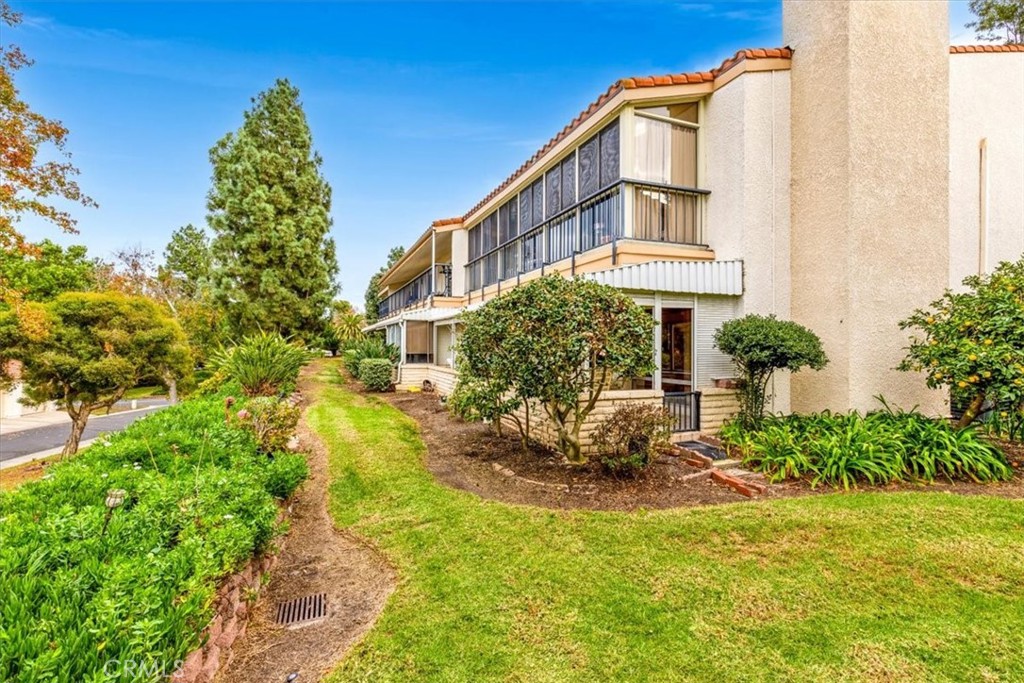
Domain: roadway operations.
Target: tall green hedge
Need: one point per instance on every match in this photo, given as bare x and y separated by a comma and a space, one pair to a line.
375, 373
198, 505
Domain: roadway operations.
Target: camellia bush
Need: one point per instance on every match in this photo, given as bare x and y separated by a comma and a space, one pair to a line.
760, 345
557, 342
973, 342
82, 584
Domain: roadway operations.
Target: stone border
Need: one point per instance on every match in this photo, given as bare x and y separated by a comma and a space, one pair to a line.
235, 598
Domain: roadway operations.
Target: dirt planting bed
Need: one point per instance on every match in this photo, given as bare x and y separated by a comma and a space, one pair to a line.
471, 457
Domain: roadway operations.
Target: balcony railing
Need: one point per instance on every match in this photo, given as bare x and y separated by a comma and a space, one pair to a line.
660, 213
421, 287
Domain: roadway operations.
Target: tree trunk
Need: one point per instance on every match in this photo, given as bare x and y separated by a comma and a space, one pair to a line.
79, 419
972, 411
172, 391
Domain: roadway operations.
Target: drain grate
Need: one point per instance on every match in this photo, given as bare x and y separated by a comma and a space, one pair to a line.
302, 610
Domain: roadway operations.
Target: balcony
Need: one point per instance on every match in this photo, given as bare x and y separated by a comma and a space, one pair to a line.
436, 281
633, 210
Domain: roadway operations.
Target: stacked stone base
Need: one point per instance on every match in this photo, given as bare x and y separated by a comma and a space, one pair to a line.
235, 599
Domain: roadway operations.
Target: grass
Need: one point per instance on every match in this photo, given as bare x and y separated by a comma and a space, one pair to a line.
846, 587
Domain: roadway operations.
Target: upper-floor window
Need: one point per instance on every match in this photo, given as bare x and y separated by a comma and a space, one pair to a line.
665, 144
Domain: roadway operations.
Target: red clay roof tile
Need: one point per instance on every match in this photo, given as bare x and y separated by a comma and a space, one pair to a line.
966, 49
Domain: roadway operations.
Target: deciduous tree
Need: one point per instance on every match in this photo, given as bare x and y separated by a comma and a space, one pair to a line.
269, 209
998, 20
28, 185
84, 350
44, 270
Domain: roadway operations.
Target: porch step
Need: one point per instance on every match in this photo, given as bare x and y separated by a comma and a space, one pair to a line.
728, 464
705, 449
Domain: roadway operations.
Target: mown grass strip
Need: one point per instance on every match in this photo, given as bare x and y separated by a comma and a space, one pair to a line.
847, 587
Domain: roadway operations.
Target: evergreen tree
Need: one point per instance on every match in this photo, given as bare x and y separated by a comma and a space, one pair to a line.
274, 263
372, 298
187, 258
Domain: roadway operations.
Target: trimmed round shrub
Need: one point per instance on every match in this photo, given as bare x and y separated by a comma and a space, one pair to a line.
627, 441
375, 373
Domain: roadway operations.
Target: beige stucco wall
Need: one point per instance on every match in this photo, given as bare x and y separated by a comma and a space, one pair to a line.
986, 102
870, 189
747, 138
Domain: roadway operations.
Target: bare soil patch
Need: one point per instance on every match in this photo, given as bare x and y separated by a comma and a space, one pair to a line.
471, 457
316, 558
13, 477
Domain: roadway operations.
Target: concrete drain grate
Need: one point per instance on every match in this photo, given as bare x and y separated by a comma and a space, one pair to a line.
302, 610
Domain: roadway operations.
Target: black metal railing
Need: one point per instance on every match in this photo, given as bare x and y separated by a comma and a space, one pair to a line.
684, 407
660, 213
424, 285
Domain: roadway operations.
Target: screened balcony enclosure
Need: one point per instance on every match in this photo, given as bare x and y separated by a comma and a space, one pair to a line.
588, 200
435, 281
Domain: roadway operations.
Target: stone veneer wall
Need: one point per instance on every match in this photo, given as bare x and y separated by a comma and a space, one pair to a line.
543, 430
235, 598
717, 406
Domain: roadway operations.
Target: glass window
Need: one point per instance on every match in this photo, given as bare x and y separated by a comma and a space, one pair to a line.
490, 229
474, 242
665, 152
681, 111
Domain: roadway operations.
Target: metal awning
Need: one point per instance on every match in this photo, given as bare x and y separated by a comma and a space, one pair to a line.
685, 277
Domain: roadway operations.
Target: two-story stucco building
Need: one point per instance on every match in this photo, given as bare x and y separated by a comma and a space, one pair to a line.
839, 181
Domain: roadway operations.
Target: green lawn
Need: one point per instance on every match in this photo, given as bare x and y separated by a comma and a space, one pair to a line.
859, 587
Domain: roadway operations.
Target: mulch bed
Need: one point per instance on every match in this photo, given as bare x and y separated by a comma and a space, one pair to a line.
471, 457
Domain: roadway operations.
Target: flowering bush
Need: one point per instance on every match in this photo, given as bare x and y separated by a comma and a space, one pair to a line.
271, 421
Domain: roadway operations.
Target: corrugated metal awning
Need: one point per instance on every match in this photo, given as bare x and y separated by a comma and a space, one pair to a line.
687, 277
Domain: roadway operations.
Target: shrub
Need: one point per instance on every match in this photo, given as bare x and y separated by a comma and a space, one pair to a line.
199, 504
627, 440
375, 373
760, 345
880, 447
271, 421
265, 364
284, 474
557, 343
371, 347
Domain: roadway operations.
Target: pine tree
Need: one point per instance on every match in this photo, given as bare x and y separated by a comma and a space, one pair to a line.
269, 210
371, 299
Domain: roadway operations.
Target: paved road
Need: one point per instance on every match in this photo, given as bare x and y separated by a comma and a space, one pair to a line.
40, 439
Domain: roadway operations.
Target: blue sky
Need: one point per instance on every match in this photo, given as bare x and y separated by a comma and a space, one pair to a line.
418, 109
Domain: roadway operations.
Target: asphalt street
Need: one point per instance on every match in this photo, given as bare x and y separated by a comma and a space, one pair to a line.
40, 439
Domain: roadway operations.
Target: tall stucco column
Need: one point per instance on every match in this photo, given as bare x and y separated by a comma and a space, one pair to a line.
870, 189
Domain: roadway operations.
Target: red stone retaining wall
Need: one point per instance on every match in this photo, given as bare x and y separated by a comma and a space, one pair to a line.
235, 599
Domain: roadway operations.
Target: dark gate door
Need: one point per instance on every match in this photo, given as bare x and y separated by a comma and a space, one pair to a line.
685, 409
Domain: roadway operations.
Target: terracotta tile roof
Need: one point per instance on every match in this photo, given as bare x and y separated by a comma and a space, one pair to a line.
440, 223
965, 49
630, 84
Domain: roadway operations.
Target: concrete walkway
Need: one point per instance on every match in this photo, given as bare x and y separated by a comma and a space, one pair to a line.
47, 436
